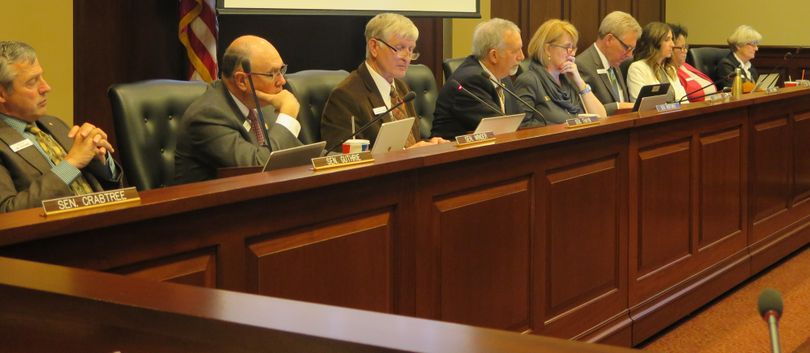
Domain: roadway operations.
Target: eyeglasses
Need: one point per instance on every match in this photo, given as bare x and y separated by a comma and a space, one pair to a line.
404, 53
683, 49
626, 47
569, 48
272, 75
753, 44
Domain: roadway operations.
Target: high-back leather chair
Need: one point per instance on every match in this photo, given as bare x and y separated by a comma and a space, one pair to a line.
706, 59
422, 82
146, 116
312, 89
450, 65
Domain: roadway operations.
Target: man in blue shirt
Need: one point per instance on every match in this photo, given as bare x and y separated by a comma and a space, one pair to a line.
40, 157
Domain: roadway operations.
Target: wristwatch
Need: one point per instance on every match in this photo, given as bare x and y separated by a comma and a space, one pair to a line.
585, 90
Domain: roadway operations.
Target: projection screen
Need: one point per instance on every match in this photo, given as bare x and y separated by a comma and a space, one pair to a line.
427, 8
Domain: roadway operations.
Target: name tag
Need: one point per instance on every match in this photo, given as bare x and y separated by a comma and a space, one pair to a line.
582, 120
474, 139
689, 79
602, 71
246, 125
20, 145
96, 199
379, 110
341, 160
667, 107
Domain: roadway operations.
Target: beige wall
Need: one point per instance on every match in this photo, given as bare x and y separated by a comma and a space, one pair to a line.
462, 29
47, 25
711, 22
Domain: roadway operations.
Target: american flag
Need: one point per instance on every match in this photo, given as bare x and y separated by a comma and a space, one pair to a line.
198, 33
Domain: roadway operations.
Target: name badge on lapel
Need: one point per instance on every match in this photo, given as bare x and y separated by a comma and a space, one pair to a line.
379, 110
246, 125
601, 71
20, 145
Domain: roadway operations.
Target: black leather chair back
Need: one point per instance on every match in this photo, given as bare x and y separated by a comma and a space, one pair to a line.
146, 116
706, 59
420, 78
450, 65
312, 89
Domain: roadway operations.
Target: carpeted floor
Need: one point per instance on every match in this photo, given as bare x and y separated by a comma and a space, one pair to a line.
732, 324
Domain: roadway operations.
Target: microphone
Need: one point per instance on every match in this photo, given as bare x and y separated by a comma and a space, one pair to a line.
462, 89
770, 308
730, 75
377, 117
246, 69
503, 86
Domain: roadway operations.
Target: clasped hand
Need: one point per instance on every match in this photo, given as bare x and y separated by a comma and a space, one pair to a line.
88, 142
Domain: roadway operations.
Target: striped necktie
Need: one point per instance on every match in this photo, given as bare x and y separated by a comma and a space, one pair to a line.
615, 82
56, 153
400, 113
501, 98
256, 127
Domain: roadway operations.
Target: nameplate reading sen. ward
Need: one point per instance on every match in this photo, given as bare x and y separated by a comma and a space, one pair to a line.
341, 160
474, 139
96, 199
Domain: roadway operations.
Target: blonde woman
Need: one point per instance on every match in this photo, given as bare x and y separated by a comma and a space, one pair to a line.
552, 83
654, 62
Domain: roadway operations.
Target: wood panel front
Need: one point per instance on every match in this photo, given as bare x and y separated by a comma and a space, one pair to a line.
197, 269
355, 264
580, 256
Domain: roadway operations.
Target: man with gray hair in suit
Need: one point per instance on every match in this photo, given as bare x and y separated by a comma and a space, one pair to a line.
497, 51
599, 64
40, 157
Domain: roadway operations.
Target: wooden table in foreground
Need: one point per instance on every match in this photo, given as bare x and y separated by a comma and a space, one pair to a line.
608, 233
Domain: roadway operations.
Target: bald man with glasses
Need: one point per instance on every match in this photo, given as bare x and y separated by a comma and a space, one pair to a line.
376, 85
222, 129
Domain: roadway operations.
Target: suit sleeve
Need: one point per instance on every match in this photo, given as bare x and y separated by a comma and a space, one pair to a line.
336, 122
223, 145
724, 70
43, 187
470, 111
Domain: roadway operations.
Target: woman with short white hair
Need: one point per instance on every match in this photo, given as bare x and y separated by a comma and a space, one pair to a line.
744, 43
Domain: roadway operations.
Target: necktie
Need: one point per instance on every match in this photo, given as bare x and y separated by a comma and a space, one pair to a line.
400, 113
501, 98
256, 128
615, 83
56, 153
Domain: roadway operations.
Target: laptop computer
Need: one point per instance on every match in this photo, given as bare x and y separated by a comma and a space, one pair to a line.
766, 82
392, 136
500, 124
651, 90
293, 157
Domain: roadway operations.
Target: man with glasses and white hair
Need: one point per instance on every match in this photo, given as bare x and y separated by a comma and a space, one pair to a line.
221, 128
497, 50
40, 157
376, 85
599, 64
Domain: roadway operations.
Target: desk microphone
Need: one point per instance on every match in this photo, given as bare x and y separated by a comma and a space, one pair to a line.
377, 117
462, 89
730, 75
770, 308
503, 86
246, 69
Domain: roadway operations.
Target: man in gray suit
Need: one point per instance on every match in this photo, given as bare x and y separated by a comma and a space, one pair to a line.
221, 128
599, 64
40, 157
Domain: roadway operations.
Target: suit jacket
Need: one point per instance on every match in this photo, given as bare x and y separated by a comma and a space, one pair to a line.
26, 177
726, 66
456, 112
589, 64
212, 136
357, 95
530, 87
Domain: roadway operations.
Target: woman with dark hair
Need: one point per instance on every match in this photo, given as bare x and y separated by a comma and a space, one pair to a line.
691, 78
653, 63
